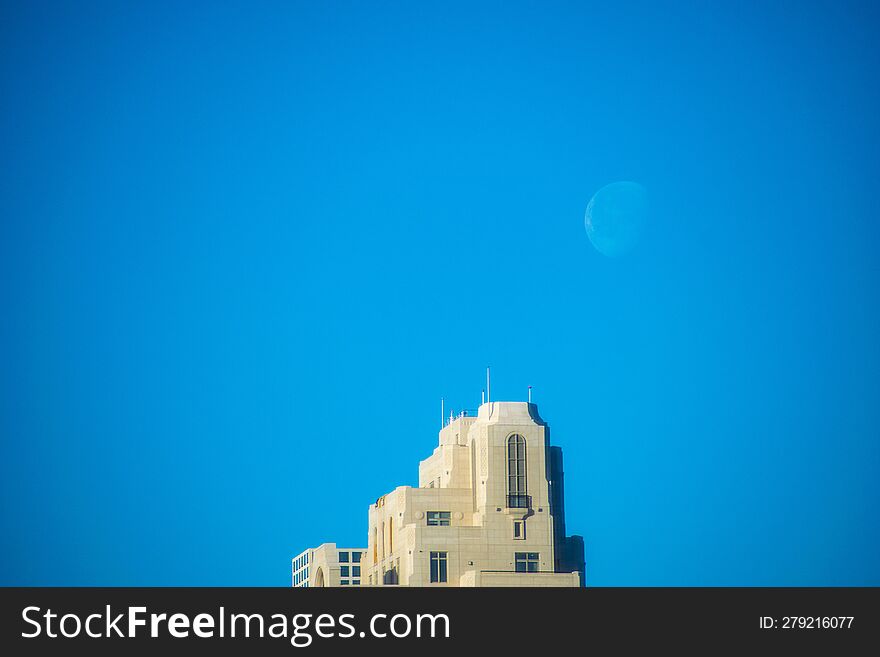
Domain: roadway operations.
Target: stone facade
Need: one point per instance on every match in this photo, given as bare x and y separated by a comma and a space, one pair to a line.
327, 565
488, 512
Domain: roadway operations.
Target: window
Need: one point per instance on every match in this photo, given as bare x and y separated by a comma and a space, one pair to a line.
438, 567
516, 473
438, 518
355, 571
355, 557
343, 571
343, 582
526, 562
519, 529
516, 464
355, 582
390, 576
343, 557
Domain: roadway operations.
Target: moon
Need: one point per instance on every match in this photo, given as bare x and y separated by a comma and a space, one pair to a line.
615, 217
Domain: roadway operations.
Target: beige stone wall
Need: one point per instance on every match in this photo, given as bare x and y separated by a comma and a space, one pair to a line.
448, 467
547, 580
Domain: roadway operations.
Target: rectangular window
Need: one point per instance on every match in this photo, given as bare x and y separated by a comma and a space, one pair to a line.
519, 529
438, 518
343, 557
355, 557
355, 571
343, 582
343, 571
390, 576
355, 582
526, 562
438, 567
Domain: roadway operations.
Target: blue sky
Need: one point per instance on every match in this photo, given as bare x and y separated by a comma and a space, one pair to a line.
245, 249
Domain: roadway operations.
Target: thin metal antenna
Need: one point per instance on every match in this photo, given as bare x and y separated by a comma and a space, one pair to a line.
482, 396
488, 386
442, 413
530, 394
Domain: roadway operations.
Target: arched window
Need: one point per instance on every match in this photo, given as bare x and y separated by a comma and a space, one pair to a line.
516, 471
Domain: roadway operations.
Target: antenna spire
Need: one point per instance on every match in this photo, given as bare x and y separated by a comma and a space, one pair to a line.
530, 394
442, 413
488, 386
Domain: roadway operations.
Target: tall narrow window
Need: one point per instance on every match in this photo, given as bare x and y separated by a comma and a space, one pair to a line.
519, 529
438, 567
516, 472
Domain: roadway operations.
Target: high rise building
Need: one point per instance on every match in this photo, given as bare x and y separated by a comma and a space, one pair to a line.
489, 511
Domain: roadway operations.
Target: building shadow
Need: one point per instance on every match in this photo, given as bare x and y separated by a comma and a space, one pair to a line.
570, 550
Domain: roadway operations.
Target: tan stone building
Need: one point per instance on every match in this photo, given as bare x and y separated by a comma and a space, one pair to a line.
489, 511
327, 565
